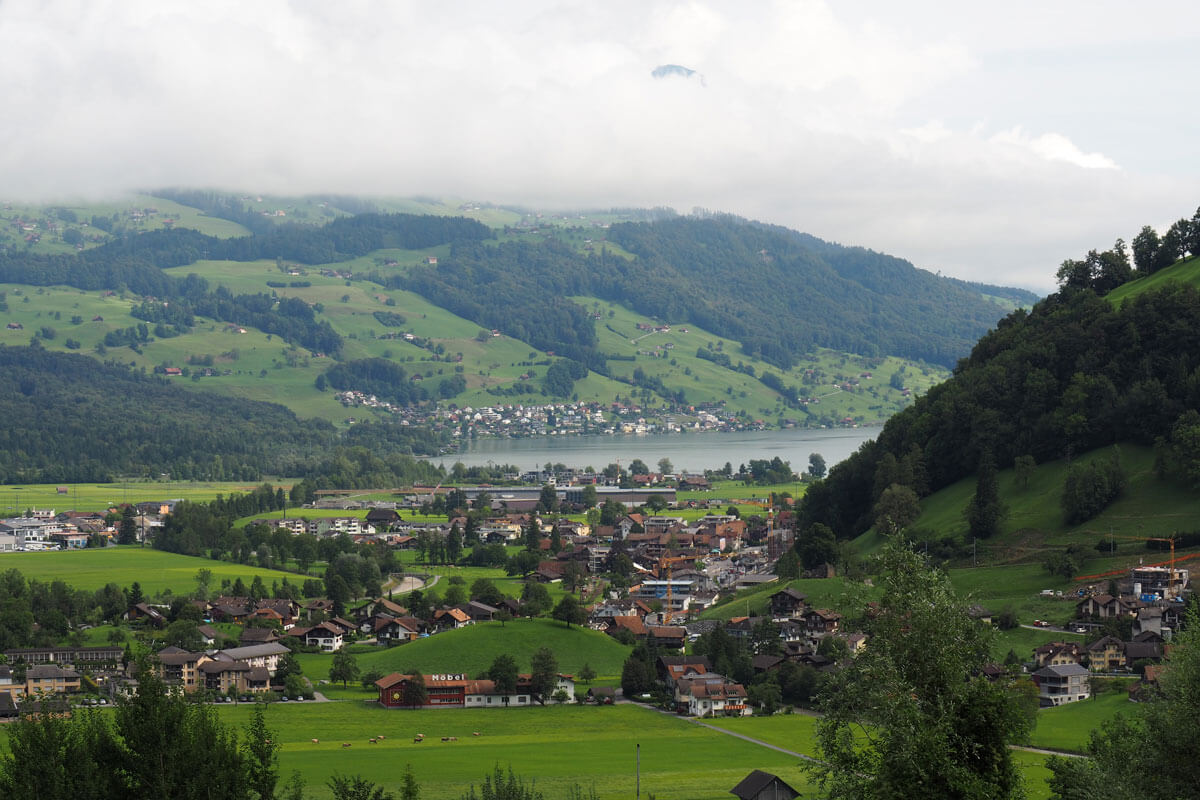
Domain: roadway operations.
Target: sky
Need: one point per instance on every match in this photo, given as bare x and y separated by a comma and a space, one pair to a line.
988, 142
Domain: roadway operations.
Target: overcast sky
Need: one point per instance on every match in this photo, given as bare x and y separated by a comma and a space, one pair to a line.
989, 143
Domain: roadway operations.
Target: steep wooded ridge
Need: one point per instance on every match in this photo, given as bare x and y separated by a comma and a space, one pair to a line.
69, 418
777, 292
1075, 373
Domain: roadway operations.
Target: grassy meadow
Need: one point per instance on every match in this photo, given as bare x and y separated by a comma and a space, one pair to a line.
560, 746
155, 570
103, 496
472, 649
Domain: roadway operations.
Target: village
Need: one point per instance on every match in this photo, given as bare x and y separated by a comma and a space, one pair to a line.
640, 577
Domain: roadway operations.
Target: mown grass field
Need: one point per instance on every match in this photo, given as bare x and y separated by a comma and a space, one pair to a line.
102, 496
1069, 727
472, 649
797, 732
155, 570
559, 746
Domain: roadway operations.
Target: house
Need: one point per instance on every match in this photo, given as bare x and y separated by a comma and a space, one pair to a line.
1057, 654
394, 629
1060, 684
208, 633
1103, 605
450, 618
258, 636
672, 669
980, 614
326, 635
1142, 651
820, 622
787, 603
633, 624
1106, 654
477, 611
259, 655
146, 613
711, 695
50, 679
759, 785
107, 654
180, 668
667, 637
224, 677
382, 518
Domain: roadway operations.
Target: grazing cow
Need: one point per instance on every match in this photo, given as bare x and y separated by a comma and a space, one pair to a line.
418, 739
380, 737
445, 738
477, 733
345, 744
316, 741
372, 741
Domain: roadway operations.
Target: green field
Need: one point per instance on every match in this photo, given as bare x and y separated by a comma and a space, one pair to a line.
559, 746
103, 496
471, 650
155, 570
1069, 727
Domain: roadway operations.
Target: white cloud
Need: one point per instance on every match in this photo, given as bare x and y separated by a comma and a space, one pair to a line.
852, 121
1054, 147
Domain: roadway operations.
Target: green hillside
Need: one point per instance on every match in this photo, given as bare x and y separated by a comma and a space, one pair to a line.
363, 295
155, 570
472, 649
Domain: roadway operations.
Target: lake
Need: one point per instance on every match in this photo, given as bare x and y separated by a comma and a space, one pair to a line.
690, 452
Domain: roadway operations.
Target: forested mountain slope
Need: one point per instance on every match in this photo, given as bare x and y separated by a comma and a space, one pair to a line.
1077, 372
779, 293
69, 418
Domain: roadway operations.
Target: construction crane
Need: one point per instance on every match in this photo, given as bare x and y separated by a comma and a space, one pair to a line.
1170, 564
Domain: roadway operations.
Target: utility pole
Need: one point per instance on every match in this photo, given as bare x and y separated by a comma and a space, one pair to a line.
639, 770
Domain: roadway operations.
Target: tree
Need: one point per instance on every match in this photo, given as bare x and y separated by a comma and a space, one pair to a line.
934, 727
588, 496
135, 594
455, 595
486, 592
533, 534
1023, 469
569, 610
344, 667
1145, 250
818, 546
548, 499
1126, 755
261, 752
127, 532
498, 786
356, 788
503, 673
816, 465
897, 508
409, 788
985, 512
415, 694
454, 545
665, 466
586, 673
535, 599
788, 565
543, 675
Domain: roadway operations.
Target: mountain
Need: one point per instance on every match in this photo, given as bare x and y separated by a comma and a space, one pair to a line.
288, 299
1078, 372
